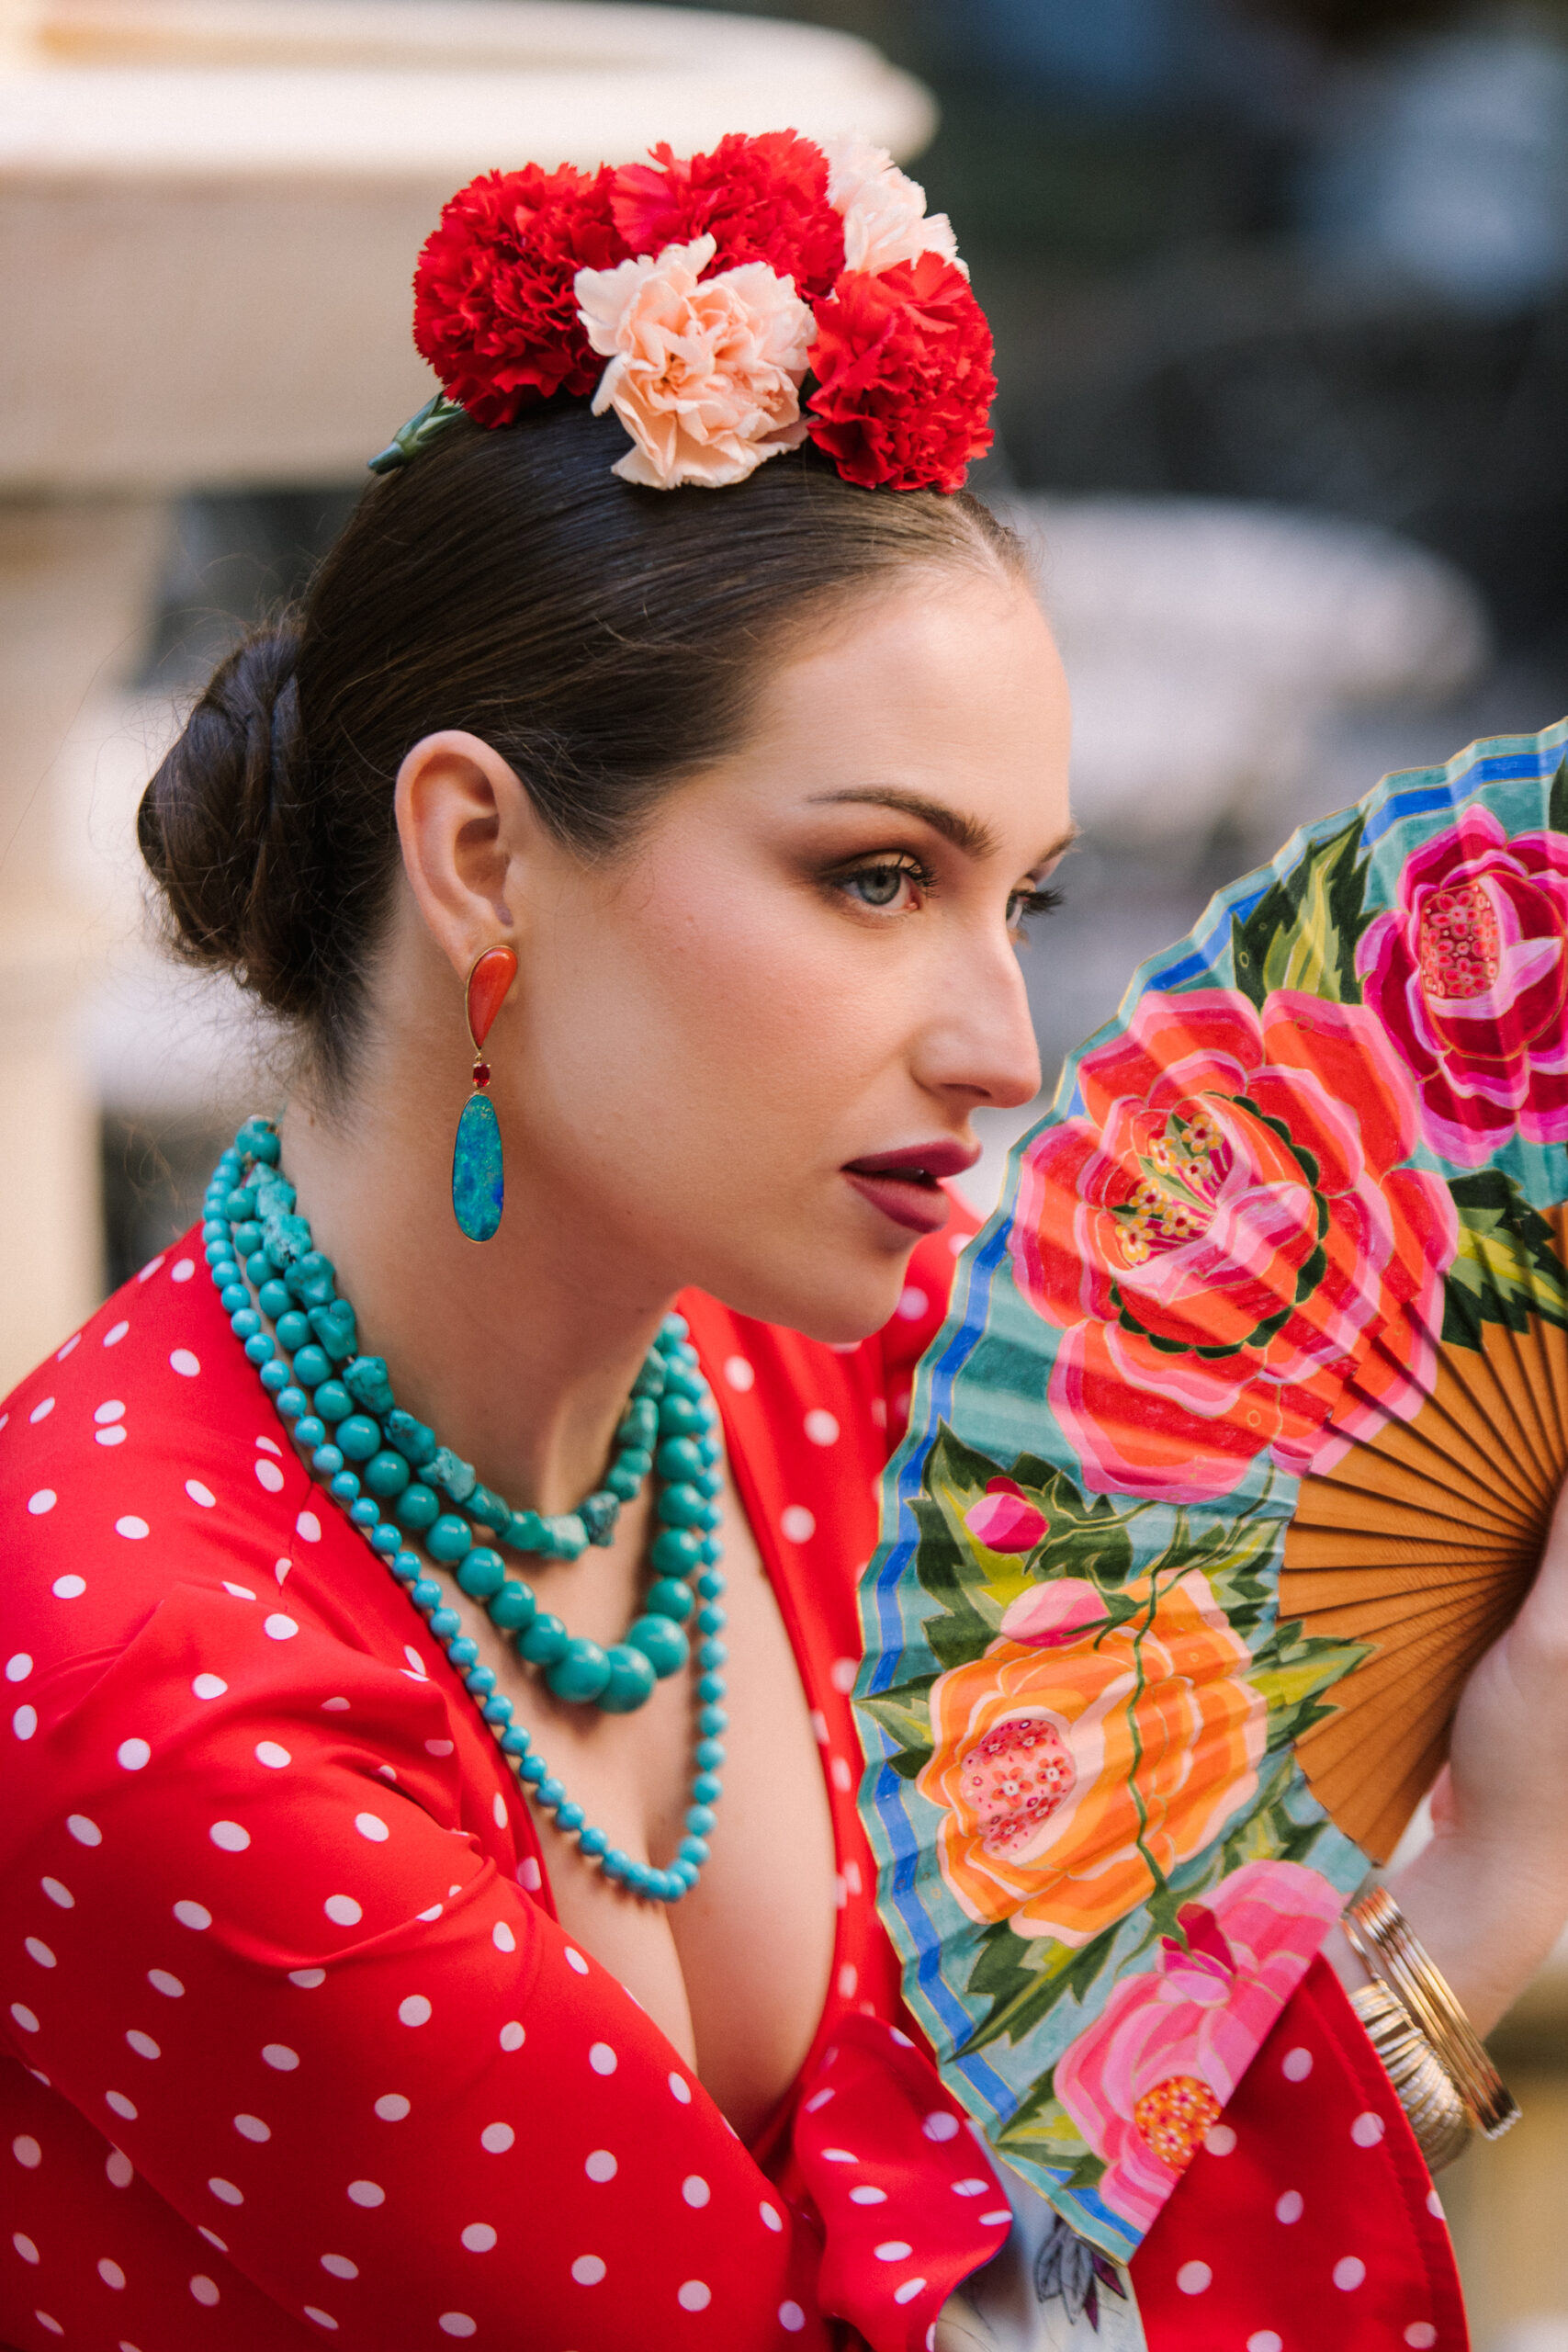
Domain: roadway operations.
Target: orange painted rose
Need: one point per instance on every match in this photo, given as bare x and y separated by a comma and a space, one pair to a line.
1070, 1774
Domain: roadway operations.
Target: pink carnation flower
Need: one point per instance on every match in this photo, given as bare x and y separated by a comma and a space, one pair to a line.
704, 373
1149, 2080
883, 210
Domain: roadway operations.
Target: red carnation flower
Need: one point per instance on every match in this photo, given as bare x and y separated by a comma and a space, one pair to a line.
904, 382
494, 310
758, 200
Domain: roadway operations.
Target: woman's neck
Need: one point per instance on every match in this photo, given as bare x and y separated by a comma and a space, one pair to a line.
519, 1351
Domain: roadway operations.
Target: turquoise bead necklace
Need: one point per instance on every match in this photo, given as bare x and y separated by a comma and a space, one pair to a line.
387, 1473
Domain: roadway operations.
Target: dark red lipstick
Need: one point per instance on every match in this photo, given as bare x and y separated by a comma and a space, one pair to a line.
907, 1185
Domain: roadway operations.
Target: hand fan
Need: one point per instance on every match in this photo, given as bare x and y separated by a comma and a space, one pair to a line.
1236, 1450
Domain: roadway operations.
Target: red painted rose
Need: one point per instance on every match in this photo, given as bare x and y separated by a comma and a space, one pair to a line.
1469, 972
904, 382
495, 309
1236, 1258
758, 200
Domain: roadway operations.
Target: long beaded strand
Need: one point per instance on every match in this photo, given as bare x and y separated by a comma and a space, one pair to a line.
266, 1271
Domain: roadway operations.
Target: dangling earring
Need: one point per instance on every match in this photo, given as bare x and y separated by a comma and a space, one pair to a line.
478, 1179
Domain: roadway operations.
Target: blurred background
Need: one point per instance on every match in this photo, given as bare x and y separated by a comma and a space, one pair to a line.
1280, 295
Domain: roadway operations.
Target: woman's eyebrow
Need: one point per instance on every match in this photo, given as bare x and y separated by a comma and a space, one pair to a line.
968, 834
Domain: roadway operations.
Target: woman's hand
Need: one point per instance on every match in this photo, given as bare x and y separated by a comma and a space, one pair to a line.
1489, 1896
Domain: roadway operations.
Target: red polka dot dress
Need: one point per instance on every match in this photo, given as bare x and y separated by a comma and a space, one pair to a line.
292, 2046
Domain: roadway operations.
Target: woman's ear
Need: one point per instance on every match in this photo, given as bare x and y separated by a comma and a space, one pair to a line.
467, 830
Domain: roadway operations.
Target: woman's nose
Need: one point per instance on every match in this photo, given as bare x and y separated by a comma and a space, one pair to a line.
979, 1042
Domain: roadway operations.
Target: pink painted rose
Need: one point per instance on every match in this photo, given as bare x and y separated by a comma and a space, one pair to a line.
1150, 2078
883, 210
1049, 1616
1470, 974
1235, 1256
1004, 1520
705, 373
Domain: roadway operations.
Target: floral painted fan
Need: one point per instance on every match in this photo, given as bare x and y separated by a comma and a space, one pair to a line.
1237, 1449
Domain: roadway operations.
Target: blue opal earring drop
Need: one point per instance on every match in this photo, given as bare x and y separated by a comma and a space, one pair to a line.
478, 1179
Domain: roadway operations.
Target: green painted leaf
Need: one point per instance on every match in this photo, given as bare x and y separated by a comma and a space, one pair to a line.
1293, 1670
1507, 1268
1557, 800
1303, 929
906, 1719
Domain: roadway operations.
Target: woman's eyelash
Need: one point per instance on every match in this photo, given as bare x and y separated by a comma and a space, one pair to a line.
1041, 902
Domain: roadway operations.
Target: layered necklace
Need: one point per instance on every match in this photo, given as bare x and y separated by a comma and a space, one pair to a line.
401, 1487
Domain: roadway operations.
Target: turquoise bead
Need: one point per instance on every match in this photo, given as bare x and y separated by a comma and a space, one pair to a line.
678, 1417
710, 1584
416, 1508
712, 1721
570, 1817
449, 1538
293, 1331
674, 1552
444, 1623
479, 1679
616, 1865
512, 1607
678, 1458
365, 1512
497, 1708
515, 1741
426, 1593
272, 1300
694, 1849
245, 1323
599, 1514
332, 1401
274, 1380
680, 1506
710, 1689
311, 1366
234, 1299
550, 1792
258, 1346
710, 1619
406, 1566
631, 1681
706, 1789
326, 1461
479, 1178
345, 1486
384, 1539
525, 1532
593, 1841
708, 1755
712, 1652
668, 1597
638, 1460
579, 1673
386, 1474
359, 1436
490, 1511
412, 1440
662, 1643
482, 1572
699, 1820
532, 1768
639, 1426
463, 1651
258, 1267
544, 1639
623, 1485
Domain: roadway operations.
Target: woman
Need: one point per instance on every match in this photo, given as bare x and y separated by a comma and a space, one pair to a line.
402, 1973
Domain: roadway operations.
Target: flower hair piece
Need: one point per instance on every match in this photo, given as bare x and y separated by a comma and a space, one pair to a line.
725, 306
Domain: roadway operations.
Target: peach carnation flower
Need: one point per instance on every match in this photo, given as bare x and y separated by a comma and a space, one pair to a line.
704, 373
883, 210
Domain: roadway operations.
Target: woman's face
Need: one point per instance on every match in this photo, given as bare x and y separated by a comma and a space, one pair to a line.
746, 1049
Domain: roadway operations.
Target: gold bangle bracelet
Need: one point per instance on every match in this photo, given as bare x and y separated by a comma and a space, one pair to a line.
1388, 1948
1434, 2109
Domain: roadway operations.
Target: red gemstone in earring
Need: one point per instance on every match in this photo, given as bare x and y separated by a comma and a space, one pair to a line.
481, 1073
493, 975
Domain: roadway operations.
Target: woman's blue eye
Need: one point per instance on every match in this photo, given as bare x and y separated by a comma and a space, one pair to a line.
878, 886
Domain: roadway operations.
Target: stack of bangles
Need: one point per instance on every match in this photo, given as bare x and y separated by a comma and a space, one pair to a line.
1443, 2077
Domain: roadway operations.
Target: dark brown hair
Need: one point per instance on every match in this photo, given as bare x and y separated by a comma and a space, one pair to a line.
606, 641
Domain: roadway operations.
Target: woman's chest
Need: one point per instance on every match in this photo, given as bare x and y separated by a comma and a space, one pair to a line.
736, 1973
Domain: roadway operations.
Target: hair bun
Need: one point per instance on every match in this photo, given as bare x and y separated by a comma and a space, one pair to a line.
214, 823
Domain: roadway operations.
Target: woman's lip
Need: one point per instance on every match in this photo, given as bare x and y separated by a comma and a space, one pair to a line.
920, 1209
944, 1158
